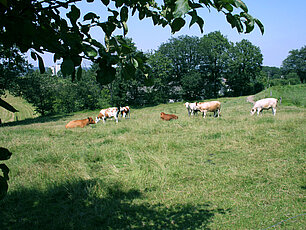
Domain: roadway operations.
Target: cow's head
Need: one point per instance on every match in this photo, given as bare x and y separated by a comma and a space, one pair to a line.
253, 111
91, 121
187, 104
98, 119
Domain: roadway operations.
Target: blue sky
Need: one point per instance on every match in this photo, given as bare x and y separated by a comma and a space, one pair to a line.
284, 22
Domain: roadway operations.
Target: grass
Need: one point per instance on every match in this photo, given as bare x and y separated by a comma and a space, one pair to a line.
235, 172
25, 110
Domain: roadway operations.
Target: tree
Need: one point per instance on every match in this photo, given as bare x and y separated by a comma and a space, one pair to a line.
12, 65
29, 23
245, 62
39, 90
296, 62
214, 59
162, 74
184, 56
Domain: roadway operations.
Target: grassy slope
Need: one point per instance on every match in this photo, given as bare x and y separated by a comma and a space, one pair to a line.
25, 110
236, 172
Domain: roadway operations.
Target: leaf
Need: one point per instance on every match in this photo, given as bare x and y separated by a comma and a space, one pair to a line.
5, 154
260, 25
105, 2
125, 28
41, 64
67, 67
33, 55
128, 71
106, 74
177, 24
108, 28
56, 57
181, 8
241, 5
200, 22
74, 14
7, 106
90, 51
124, 14
90, 16
141, 14
119, 3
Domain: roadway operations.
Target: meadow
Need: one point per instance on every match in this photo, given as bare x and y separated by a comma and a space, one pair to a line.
234, 172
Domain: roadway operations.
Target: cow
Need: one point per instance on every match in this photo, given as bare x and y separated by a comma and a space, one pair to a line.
125, 111
80, 123
167, 117
191, 108
108, 113
210, 106
264, 104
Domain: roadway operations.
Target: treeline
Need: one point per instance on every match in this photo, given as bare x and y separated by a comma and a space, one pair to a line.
184, 68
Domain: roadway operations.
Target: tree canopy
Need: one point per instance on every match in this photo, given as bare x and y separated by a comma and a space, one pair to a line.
296, 62
38, 25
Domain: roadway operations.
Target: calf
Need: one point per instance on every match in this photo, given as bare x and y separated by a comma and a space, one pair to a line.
210, 106
125, 111
191, 108
264, 104
167, 117
80, 123
108, 113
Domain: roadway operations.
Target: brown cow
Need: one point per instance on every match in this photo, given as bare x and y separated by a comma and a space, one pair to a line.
211, 106
80, 123
167, 117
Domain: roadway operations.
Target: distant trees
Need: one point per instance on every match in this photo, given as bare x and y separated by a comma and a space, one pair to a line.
296, 63
208, 67
12, 65
245, 61
51, 94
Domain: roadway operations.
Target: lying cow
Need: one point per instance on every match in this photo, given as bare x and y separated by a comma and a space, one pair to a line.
191, 108
108, 113
167, 117
80, 123
125, 111
264, 104
210, 106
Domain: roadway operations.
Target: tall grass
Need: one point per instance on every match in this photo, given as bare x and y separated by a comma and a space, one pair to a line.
233, 172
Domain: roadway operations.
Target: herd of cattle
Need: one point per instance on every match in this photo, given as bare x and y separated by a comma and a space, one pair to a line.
192, 108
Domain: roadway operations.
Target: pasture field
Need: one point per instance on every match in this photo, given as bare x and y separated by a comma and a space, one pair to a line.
234, 172
26, 110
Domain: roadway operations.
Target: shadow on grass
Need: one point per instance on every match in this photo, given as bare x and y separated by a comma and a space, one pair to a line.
42, 119
77, 206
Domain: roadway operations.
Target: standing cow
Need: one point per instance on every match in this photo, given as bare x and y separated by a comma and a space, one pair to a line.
108, 113
264, 104
191, 108
210, 106
125, 111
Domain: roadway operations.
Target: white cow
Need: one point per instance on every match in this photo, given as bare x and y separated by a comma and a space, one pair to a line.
210, 106
108, 113
191, 108
264, 104
125, 111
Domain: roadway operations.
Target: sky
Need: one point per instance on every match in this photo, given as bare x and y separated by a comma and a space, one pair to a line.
284, 22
